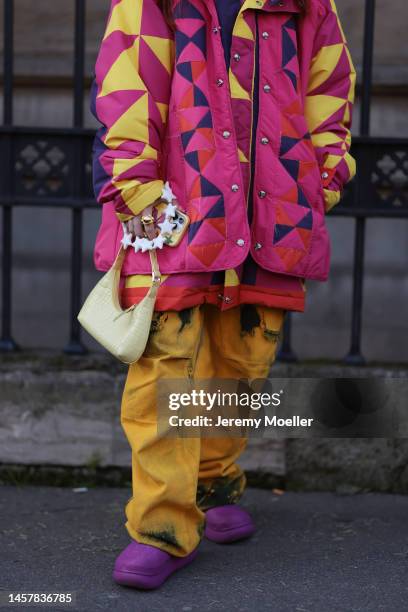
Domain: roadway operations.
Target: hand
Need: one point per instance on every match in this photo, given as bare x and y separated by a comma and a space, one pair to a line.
135, 226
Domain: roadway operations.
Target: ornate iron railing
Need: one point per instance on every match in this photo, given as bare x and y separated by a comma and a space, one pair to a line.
52, 167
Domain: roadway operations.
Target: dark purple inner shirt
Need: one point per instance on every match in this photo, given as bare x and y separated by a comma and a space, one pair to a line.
227, 11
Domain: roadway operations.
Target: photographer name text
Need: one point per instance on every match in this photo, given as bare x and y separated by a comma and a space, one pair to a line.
254, 422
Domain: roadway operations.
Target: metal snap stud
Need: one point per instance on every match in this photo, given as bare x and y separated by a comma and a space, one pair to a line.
240, 242
262, 193
234, 187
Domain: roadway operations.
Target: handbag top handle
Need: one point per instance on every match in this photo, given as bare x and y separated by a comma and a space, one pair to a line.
120, 258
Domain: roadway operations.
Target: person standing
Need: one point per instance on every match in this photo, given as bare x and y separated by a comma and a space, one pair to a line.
243, 109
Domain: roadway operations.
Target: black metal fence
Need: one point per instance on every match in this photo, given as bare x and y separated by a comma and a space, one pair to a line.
379, 190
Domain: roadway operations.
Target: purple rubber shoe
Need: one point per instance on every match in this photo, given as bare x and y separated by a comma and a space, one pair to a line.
147, 567
228, 524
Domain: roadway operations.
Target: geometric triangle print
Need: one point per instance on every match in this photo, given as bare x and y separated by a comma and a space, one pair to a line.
287, 143
302, 201
195, 191
197, 68
199, 97
292, 77
205, 122
217, 224
187, 99
197, 141
186, 137
194, 214
306, 222
282, 216
184, 68
204, 156
289, 257
281, 231
209, 233
288, 47
288, 128
291, 214
292, 240
192, 159
208, 253
193, 229
216, 211
198, 159
291, 166
291, 195
304, 235
294, 108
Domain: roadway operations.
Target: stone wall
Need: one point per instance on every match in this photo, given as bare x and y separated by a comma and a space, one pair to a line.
64, 413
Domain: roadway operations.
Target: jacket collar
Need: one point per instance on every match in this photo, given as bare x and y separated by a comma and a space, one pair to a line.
273, 6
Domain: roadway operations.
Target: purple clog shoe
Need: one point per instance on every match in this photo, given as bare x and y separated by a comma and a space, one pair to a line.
147, 567
228, 524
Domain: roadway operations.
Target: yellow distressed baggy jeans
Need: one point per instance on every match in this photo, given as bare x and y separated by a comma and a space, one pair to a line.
174, 480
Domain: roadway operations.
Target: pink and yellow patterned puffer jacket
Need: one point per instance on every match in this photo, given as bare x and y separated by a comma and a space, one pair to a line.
170, 111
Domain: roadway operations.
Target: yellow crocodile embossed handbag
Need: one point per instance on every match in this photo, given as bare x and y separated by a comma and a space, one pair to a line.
124, 333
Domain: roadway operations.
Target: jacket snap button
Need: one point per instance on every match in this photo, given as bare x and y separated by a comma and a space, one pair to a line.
325, 175
236, 57
265, 34
240, 242
267, 88
227, 299
258, 246
219, 82
226, 134
234, 187
264, 140
215, 30
262, 193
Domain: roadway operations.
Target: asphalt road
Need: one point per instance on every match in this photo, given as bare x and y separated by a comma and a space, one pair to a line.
312, 552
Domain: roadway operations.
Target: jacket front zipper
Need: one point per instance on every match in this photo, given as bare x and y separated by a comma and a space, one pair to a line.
254, 122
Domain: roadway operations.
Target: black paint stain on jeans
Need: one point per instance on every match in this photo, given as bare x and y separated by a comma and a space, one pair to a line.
220, 491
271, 334
249, 318
185, 317
158, 318
165, 535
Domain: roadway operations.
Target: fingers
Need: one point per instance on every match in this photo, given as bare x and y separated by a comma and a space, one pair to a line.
135, 226
149, 229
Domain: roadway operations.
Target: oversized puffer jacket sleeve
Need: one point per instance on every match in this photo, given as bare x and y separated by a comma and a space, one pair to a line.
329, 103
130, 98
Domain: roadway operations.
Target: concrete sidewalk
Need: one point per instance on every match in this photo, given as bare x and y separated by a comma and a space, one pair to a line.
313, 552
